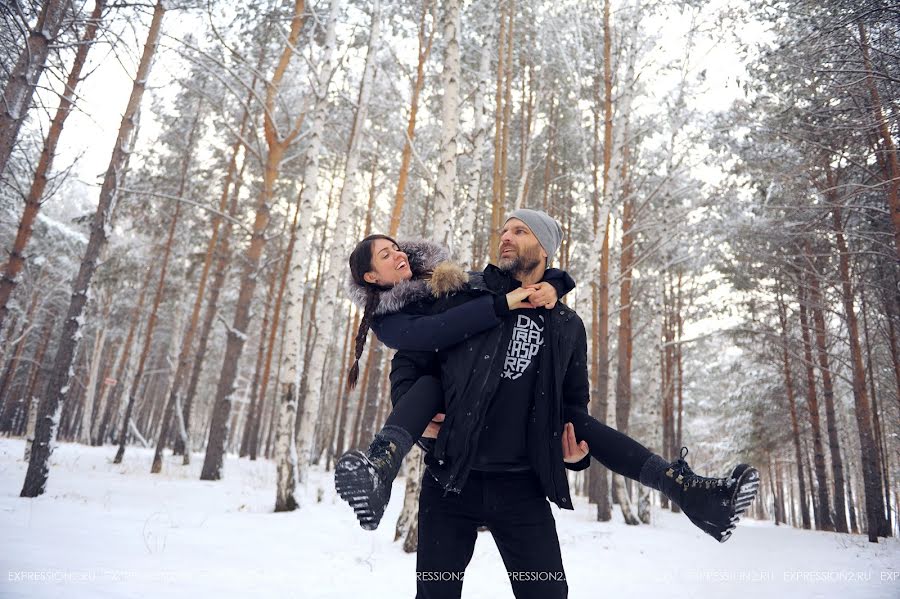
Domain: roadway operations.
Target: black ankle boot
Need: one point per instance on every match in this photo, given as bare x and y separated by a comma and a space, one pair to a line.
364, 479
715, 505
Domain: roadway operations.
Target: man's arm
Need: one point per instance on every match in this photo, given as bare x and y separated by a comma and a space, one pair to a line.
576, 389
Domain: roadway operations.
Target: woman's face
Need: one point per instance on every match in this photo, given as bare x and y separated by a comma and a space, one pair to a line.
389, 264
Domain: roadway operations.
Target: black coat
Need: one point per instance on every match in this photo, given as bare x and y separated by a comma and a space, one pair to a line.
470, 374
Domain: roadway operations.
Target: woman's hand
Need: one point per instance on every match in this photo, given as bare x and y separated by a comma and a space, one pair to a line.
544, 295
434, 427
573, 452
518, 298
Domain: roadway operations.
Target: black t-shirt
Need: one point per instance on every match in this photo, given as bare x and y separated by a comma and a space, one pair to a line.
503, 442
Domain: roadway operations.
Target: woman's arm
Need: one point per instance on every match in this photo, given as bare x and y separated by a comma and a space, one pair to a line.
434, 332
561, 281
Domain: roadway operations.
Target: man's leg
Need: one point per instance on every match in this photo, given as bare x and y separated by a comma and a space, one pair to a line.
519, 518
448, 527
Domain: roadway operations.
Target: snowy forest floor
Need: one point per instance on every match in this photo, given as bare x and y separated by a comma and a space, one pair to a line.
106, 530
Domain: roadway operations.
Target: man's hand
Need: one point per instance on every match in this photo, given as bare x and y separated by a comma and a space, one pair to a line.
573, 451
434, 427
544, 295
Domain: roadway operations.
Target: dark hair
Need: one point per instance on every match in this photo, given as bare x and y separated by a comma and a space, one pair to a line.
361, 263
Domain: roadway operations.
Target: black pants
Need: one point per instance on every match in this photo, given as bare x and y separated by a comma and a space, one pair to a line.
417, 407
513, 507
618, 452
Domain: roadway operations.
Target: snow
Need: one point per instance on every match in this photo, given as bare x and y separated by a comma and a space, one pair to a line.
63, 228
116, 530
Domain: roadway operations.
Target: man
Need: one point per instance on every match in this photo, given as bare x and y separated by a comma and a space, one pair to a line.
500, 453
516, 397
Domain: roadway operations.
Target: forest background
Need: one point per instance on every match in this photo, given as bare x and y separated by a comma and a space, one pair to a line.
181, 184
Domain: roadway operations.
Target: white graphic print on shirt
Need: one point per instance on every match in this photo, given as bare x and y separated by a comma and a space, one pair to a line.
527, 338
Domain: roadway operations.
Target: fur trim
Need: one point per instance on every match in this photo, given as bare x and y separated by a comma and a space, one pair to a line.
446, 278
424, 256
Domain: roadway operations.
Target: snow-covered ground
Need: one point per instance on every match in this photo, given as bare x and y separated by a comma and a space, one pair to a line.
106, 530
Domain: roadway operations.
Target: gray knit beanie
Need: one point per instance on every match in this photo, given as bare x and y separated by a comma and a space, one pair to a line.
544, 227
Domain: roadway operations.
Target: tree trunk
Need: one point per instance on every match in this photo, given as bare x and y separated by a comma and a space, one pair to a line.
23, 78
184, 356
795, 427
119, 385
893, 183
823, 518
446, 178
532, 106
223, 256
868, 452
837, 465
52, 402
424, 51
84, 432
39, 183
891, 316
880, 440
467, 254
285, 453
277, 144
157, 299
679, 382
294, 363
600, 295
624, 349
6, 399
334, 271
250, 426
497, 204
507, 106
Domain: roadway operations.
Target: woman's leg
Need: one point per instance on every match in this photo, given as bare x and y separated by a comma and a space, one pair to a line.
364, 479
715, 505
417, 407
615, 450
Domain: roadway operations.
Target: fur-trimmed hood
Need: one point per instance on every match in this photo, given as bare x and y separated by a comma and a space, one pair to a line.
433, 275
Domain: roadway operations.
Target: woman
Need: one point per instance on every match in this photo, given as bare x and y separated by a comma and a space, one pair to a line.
400, 289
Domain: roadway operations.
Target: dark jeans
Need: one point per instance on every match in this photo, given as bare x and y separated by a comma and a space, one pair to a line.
513, 507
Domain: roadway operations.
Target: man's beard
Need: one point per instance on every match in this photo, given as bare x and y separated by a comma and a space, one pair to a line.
524, 262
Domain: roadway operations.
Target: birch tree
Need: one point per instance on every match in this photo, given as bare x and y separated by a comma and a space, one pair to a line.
292, 366
446, 179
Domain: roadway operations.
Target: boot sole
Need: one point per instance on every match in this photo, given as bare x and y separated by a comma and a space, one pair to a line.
745, 491
355, 484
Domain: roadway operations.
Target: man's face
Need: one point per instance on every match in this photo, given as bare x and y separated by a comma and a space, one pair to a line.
520, 250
